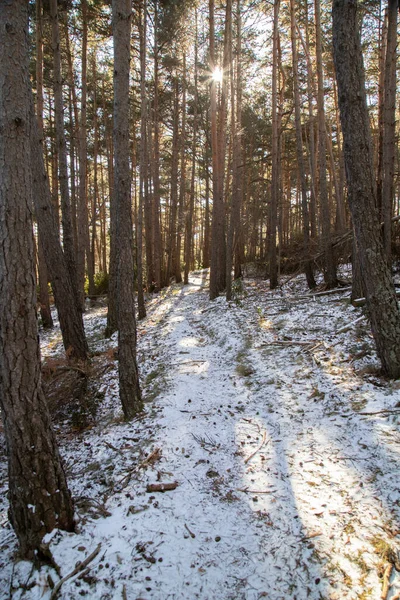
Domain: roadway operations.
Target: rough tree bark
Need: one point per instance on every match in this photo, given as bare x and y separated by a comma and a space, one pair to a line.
39, 497
380, 294
129, 389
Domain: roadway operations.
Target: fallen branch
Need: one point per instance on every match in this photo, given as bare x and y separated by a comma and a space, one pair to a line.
349, 325
386, 581
290, 343
328, 292
80, 567
371, 414
66, 368
192, 535
113, 448
258, 449
290, 278
161, 487
122, 483
312, 535
247, 491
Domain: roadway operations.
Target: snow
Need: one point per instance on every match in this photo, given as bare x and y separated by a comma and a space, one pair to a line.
285, 489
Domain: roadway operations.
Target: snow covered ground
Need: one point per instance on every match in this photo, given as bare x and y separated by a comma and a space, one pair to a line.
259, 410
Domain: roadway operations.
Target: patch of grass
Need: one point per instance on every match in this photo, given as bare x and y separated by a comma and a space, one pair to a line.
357, 405
366, 593
244, 370
349, 529
317, 394
155, 382
359, 561
153, 375
384, 550
280, 324
239, 292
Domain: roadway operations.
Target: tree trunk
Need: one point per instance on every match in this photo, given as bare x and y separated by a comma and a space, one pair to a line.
39, 497
156, 164
143, 156
381, 96
206, 239
311, 128
380, 294
83, 219
171, 240
68, 237
330, 268
218, 142
273, 273
44, 302
113, 260
237, 167
389, 127
69, 314
95, 201
214, 287
190, 212
357, 290
182, 182
129, 389
148, 206
299, 152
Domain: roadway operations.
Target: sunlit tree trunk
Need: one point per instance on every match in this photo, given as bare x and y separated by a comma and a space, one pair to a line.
129, 389
190, 212
171, 240
218, 144
182, 182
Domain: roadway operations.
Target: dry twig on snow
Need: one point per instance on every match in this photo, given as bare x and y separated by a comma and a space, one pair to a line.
80, 567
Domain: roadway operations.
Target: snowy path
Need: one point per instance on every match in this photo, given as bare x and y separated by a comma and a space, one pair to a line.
285, 492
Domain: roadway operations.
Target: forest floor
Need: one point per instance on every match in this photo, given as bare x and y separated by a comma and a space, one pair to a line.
280, 433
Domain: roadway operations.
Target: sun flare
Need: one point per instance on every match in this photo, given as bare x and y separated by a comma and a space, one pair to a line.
217, 75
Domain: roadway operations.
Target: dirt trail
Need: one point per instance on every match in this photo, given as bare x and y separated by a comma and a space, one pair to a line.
284, 490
